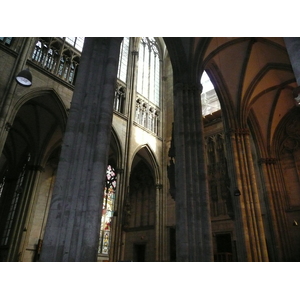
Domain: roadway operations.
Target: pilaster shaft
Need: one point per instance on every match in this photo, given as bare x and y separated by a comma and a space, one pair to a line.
72, 231
123, 186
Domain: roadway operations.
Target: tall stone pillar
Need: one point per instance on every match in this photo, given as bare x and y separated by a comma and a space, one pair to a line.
276, 210
251, 241
293, 49
193, 224
72, 230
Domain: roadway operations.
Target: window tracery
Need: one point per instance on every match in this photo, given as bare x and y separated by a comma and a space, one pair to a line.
147, 112
148, 82
76, 42
57, 57
6, 40
147, 115
123, 59
120, 97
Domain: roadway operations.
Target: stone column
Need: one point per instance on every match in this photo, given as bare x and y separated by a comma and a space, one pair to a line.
73, 226
193, 224
276, 210
251, 241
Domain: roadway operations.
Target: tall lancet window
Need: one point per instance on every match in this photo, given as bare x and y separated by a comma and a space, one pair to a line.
120, 92
123, 59
148, 86
149, 70
107, 210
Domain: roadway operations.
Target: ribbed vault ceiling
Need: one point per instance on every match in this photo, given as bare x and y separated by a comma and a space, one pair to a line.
252, 77
256, 79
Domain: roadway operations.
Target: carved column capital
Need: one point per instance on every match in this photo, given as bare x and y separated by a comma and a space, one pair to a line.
238, 131
186, 87
268, 160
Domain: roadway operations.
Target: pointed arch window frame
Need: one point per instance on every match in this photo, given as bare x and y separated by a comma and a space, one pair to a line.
149, 65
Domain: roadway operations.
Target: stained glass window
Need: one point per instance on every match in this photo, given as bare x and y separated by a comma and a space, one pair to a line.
107, 210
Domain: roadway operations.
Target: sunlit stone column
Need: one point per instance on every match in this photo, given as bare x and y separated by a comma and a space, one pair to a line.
275, 206
72, 231
193, 224
251, 241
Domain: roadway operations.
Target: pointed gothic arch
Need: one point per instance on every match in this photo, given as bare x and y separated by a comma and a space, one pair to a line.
146, 153
33, 140
140, 218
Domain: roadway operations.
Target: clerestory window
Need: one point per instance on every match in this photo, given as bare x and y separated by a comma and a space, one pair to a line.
148, 86
123, 59
6, 40
149, 70
120, 92
76, 42
59, 58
